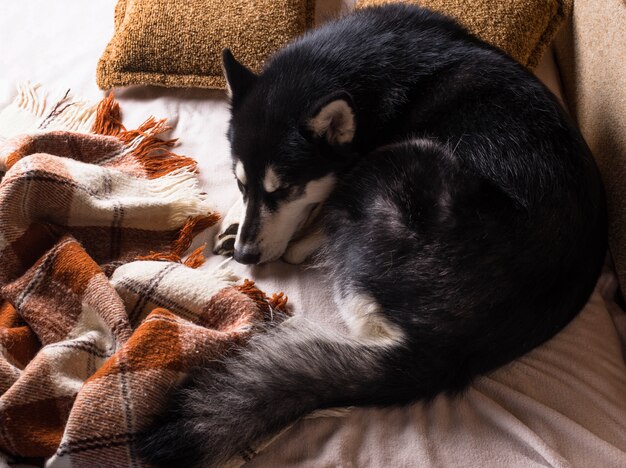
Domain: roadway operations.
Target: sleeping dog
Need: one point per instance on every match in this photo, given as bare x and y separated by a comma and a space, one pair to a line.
456, 208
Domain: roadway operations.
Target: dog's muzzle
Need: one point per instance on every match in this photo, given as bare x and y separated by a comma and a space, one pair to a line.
247, 256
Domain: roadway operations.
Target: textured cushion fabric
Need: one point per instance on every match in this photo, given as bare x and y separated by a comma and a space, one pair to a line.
591, 56
179, 44
522, 28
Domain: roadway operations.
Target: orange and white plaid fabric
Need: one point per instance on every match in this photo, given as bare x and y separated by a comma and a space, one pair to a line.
99, 317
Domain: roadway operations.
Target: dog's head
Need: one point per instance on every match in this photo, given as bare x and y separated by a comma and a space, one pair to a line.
287, 146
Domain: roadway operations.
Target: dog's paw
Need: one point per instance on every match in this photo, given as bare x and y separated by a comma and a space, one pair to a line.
300, 250
295, 254
224, 243
225, 240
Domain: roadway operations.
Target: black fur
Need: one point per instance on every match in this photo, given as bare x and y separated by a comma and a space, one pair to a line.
468, 206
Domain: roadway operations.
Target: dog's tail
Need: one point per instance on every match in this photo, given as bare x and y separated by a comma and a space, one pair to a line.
280, 376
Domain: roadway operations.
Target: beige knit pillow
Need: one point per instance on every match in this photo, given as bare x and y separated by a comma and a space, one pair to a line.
179, 43
522, 28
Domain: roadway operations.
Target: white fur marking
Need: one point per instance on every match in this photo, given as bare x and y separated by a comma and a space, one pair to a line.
271, 182
240, 173
336, 121
298, 251
364, 319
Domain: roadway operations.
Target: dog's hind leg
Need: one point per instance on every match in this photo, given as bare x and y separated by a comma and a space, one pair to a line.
365, 320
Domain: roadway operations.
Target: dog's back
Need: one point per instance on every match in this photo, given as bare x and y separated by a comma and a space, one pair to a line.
482, 177
467, 225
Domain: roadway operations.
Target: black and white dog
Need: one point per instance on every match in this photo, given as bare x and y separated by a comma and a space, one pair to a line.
459, 213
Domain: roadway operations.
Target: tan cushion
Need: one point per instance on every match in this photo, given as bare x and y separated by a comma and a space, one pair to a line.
179, 43
591, 56
522, 28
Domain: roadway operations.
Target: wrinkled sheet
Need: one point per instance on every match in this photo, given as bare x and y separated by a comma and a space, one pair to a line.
563, 405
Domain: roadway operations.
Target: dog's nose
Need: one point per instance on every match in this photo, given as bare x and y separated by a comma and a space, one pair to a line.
247, 257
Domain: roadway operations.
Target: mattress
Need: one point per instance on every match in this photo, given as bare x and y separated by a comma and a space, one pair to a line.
564, 404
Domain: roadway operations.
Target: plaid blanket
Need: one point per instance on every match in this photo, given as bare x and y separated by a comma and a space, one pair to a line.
100, 313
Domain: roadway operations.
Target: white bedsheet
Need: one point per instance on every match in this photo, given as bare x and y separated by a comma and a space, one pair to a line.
562, 405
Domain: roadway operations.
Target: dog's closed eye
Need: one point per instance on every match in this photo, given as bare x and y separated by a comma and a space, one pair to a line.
282, 191
242, 188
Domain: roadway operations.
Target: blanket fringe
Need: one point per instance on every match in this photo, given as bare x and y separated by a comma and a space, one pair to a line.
69, 115
30, 99
153, 155
159, 257
76, 117
277, 303
108, 117
64, 114
183, 241
33, 110
189, 230
152, 152
196, 258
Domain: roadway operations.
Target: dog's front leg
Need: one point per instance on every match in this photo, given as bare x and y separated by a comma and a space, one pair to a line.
225, 239
301, 249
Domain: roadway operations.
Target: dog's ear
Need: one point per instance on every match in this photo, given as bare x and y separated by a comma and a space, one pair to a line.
333, 119
238, 78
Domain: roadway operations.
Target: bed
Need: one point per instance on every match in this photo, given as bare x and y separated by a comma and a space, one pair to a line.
564, 404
